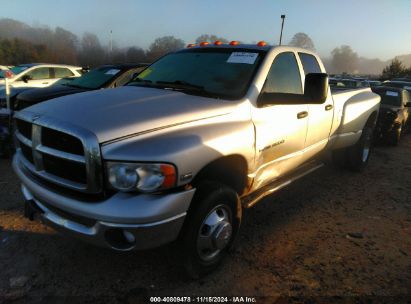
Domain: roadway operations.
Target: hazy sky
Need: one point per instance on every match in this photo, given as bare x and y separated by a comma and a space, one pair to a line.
378, 28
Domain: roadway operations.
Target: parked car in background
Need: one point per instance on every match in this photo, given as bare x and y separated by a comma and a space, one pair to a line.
406, 79
12, 95
344, 84
394, 113
398, 84
107, 76
374, 83
40, 74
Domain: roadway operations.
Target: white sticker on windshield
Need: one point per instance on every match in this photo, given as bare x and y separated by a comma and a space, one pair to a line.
391, 93
112, 72
407, 87
242, 57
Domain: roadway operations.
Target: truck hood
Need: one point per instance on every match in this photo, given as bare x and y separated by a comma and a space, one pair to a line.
114, 113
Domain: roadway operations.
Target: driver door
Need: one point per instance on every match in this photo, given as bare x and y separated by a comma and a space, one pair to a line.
281, 128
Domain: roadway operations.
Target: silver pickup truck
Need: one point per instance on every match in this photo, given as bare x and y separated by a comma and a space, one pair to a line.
179, 153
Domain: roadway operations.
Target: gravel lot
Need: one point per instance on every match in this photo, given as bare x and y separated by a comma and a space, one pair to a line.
294, 246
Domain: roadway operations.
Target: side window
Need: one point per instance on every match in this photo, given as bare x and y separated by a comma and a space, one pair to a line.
310, 63
62, 72
39, 73
284, 75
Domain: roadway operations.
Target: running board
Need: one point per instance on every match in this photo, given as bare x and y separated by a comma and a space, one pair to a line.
253, 198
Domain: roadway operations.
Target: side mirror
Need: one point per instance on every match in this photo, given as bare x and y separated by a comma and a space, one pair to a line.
26, 78
315, 92
316, 88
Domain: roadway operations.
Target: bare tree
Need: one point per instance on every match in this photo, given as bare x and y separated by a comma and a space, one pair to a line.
302, 40
64, 46
344, 59
135, 54
164, 45
91, 52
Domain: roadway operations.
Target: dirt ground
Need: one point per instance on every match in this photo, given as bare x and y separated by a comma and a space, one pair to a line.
294, 246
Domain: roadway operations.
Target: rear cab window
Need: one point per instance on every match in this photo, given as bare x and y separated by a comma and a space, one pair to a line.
284, 75
310, 63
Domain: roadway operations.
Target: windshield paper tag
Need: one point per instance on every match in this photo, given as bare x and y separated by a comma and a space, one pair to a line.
145, 73
112, 72
242, 57
391, 93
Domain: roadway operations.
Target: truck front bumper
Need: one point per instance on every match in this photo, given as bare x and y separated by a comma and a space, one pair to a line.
122, 222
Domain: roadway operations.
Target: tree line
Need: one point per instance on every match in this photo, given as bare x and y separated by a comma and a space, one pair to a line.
21, 43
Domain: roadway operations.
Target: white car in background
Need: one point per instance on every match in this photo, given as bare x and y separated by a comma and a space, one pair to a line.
39, 75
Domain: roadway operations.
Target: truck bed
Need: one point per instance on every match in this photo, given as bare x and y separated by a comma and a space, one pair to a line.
352, 107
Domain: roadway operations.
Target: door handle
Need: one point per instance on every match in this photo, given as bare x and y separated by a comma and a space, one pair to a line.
328, 107
302, 114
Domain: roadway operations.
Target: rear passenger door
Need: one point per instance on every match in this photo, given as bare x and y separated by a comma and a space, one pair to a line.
320, 116
281, 128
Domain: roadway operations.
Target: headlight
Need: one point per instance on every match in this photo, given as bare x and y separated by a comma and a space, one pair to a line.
140, 177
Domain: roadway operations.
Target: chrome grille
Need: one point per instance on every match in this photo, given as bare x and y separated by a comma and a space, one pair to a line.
59, 152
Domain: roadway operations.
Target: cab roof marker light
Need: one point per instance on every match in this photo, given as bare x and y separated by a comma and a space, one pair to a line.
234, 42
190, 45
261, 43
218, 42
204, 43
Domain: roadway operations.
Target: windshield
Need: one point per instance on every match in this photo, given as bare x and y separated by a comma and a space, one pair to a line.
220, 73
390, 98
18, 69
95, 79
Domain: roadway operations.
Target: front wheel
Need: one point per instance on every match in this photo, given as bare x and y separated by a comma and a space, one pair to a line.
211, 226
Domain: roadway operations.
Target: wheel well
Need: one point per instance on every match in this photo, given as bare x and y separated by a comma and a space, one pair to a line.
372, 119
229, 170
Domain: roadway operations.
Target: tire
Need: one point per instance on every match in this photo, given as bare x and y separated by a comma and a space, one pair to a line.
395, 136
355, 158
211, 226
359, 154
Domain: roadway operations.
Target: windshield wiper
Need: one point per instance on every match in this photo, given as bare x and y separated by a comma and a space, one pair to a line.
181, 84
186, 87
139, 81
74, 86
